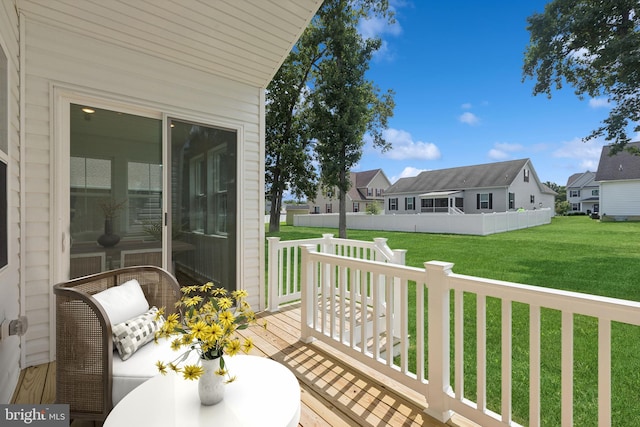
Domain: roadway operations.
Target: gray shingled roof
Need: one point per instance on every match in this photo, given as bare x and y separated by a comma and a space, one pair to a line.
622, 165
489, 175
361, 180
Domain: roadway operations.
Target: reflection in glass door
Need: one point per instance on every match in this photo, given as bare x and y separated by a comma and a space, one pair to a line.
115, 190
203, 208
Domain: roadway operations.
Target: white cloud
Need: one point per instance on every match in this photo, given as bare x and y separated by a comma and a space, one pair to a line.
469, 118
466, 106
404, 147
599, 103
496, 154
585, 155
503, 150
377, 27
407, 172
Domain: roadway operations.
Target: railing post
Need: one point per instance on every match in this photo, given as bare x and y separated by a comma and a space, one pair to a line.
328, 246
438, 339
308, 289
273, 282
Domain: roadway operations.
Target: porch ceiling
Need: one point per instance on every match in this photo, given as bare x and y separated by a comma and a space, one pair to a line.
243, 40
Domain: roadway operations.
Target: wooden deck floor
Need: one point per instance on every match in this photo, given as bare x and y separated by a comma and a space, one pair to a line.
336, 390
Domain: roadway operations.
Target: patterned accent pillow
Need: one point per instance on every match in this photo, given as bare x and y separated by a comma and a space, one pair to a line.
129, 336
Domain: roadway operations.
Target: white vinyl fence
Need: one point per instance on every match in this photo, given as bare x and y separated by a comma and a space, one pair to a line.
473, 224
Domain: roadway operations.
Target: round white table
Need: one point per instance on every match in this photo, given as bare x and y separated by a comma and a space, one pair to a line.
265, 393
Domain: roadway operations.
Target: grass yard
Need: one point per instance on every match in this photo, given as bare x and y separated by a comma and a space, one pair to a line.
572, 253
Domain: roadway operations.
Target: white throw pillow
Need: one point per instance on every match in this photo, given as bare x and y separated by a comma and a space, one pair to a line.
123, 302
129, 336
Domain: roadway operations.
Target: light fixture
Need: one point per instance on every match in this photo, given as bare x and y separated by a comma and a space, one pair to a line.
87, 113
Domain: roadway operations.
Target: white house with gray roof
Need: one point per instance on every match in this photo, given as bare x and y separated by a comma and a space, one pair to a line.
491, 187
619, 179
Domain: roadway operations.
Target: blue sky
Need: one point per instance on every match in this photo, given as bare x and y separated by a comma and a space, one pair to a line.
456, 69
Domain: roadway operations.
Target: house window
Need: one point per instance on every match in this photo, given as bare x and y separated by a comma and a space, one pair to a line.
574, 193
595, 192
526, 175
328, 208
393, 204
575, 206
316, 209
4, 159
532, 198
356, 207
512, 200
409, 203
484, 201
369, 192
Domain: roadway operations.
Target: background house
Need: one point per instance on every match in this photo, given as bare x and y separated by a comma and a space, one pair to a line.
583, 192
366, 187
619, 179
492, 187
157, 104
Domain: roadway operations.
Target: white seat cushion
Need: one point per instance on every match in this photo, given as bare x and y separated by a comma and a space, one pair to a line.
129, 374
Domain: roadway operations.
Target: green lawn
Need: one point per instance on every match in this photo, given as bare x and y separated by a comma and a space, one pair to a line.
572, 253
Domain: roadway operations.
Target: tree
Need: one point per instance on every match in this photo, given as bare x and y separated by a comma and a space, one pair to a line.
593, 45
288, 163
345, 105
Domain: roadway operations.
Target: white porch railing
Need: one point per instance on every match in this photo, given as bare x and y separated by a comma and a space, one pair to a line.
283, 280
334, 306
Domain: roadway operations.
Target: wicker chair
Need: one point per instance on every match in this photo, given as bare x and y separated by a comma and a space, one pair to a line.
84, 343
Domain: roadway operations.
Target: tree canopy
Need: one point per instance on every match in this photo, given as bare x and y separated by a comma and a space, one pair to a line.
320, 106
594, 46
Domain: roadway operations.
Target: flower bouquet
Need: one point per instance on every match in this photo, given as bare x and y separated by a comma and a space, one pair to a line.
206, 322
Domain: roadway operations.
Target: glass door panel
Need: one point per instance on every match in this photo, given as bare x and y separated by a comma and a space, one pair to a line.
203, 208
115, 190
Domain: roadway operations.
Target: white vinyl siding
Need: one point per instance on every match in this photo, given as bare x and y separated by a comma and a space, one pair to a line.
88, 65
620, 198
9, 275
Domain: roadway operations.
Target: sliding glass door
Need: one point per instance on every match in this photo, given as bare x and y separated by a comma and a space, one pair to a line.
119, 213
115, 177
204, 199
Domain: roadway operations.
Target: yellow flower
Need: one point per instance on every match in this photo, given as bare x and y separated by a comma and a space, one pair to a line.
240, 293
162, 368
174, 367
222, 372
199, 330
224, 303
193, 301
248, 345
230, 380
219, 292
226, 318
233, 347
206, 287
192, 372
176, 344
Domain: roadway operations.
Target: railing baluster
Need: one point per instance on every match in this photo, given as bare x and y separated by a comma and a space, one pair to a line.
376, 283
604, 372
354, 275
481, 332
295, 286
567, 369
459, 343
364, 282
507, 351
389, 318
343, 297
404, 326
534, 366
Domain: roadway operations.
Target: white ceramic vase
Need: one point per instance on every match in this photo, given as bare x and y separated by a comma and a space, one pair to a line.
210, 384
